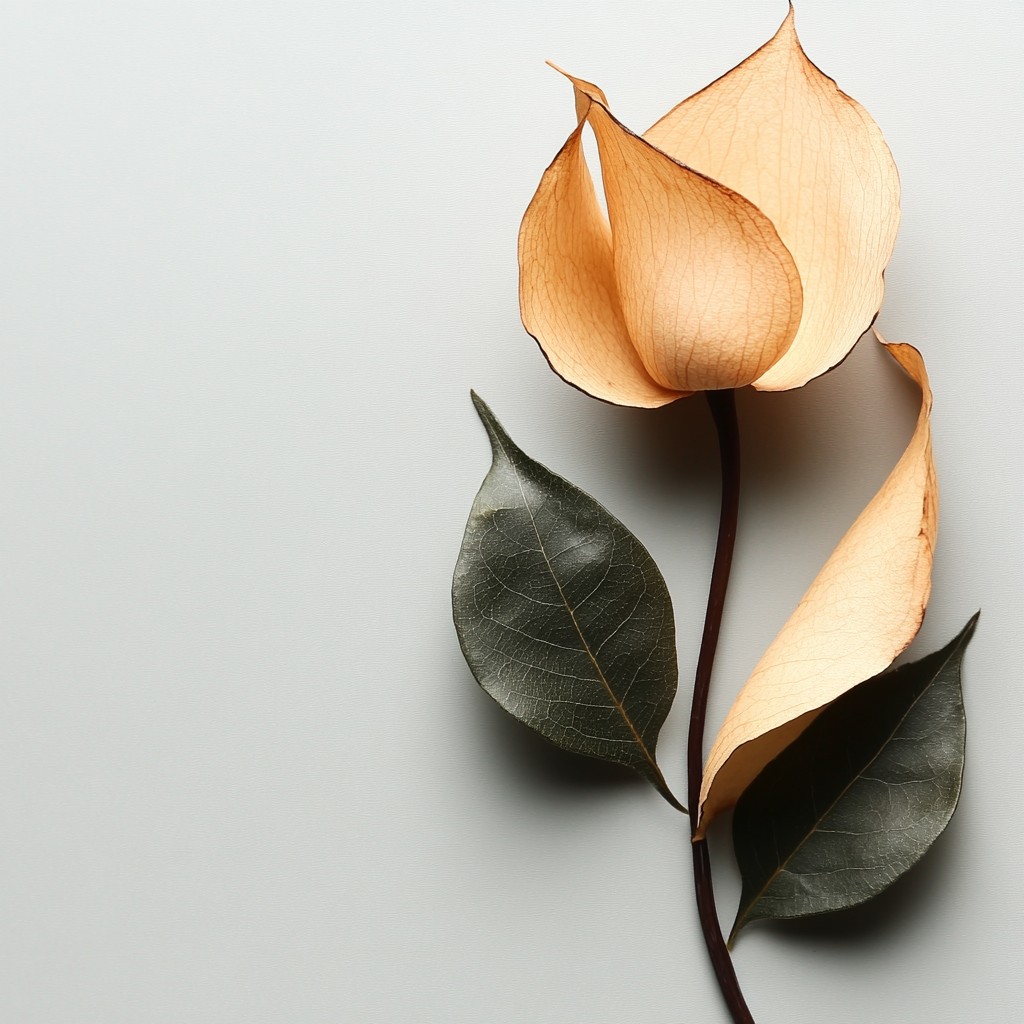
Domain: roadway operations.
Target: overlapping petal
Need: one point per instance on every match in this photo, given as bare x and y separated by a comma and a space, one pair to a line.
749, 231
707, 294
568, 295
781, 133
862, 610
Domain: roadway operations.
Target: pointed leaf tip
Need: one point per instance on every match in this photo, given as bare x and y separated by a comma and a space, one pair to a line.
972, 624
501, 443
562, 614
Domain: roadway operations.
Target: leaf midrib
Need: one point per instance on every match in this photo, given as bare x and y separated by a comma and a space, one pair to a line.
617, 704
740, 921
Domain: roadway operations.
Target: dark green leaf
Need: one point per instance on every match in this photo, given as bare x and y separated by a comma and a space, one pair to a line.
562, 614
859, 796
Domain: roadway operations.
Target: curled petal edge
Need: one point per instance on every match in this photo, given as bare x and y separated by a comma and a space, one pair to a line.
861, 612
568, 296
709, 293
701, 286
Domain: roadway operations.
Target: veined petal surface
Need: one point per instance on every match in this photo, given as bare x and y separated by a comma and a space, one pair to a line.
861, 611
710, 295
568, 297
782, 134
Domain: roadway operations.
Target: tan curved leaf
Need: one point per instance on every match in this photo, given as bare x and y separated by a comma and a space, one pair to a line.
781, 133
568, 297
862, 610
709, 294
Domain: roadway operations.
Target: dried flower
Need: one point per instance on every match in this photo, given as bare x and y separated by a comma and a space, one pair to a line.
744, 243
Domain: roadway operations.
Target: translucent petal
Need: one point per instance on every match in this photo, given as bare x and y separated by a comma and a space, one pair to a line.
710, 296
567, 292
781, 133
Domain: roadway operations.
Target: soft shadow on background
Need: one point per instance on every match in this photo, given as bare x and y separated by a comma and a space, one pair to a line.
891, 916
256, 255
520, 757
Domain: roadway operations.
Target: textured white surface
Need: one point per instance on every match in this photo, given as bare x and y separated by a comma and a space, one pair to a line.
255, 255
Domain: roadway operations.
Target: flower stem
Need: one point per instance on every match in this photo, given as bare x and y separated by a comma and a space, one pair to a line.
723, 411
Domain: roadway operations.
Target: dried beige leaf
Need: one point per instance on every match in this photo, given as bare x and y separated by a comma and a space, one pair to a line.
748, 233
862, 610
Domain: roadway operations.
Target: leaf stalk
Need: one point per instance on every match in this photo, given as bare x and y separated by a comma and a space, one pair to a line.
723, 412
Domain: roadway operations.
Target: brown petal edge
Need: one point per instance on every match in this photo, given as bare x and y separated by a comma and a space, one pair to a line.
568, 296
780, 132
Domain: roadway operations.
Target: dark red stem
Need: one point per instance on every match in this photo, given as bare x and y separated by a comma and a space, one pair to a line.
723, 410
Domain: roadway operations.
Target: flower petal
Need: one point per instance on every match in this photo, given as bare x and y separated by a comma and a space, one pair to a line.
567, 293
710, 295
862, 610
782, 134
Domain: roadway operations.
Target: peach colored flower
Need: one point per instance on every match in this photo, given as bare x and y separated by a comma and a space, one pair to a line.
744, 243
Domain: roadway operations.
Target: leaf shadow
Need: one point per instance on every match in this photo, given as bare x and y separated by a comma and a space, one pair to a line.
896, 910
526, 760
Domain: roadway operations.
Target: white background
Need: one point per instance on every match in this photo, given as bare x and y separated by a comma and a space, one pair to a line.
254, 257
